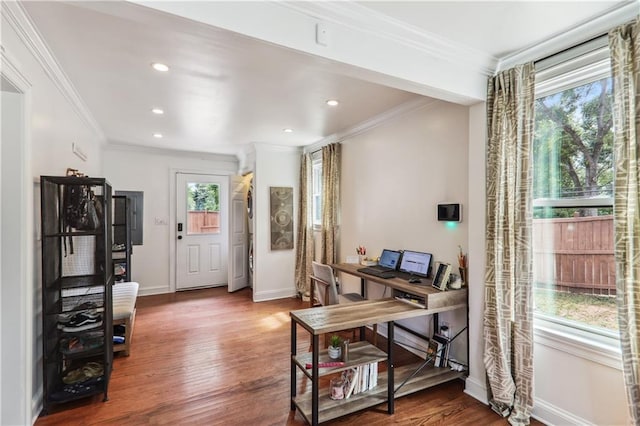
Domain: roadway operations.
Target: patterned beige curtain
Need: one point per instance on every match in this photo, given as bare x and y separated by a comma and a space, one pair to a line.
624, 43
330, 202
304, 239
508, 310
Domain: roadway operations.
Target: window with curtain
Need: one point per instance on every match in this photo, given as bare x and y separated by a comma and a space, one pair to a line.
316, 188
572, 232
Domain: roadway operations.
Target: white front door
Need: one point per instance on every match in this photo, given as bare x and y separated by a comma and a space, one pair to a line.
202, 217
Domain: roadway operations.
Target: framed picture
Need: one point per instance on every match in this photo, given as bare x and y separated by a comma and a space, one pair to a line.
281, 199
441, 277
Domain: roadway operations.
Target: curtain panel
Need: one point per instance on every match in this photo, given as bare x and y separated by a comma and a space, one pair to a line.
304, 238
508, 310
624, 44
330, 202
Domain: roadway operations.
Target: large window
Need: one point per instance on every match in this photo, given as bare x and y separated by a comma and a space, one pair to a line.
573, 259
316, 193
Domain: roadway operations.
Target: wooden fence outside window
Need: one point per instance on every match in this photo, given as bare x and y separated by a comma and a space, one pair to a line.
575, 254
203, 222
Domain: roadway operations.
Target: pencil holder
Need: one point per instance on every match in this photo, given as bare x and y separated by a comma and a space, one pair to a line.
463, 275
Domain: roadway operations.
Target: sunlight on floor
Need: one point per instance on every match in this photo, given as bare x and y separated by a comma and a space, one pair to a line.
275, 321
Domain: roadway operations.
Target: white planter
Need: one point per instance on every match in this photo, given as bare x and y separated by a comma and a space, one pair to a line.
334, 353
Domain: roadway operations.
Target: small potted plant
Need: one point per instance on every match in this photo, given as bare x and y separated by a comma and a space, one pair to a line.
334, 349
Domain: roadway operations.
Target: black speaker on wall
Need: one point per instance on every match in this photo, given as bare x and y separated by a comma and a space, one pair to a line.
450, 212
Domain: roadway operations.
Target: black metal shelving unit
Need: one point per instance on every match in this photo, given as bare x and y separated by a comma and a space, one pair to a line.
77, 279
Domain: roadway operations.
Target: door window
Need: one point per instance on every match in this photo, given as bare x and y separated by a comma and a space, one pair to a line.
203, 208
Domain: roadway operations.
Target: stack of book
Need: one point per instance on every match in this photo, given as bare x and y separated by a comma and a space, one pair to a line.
438, 350
409, 298
360, 379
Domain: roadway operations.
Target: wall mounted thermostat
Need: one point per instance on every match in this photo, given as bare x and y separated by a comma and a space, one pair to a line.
450, 212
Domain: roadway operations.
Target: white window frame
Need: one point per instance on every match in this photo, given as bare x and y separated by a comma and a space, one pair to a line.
588, 63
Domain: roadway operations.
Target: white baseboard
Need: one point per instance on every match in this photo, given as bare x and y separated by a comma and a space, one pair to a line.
36, 405
146, 291
476, 390
542, 411
263, 296
551, 415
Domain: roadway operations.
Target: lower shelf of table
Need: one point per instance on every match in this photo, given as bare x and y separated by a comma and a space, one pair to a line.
329, 409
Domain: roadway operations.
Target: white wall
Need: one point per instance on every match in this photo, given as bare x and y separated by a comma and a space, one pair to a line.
274, 270
52, 124
153, 172
569, 388
576, 390
393, 177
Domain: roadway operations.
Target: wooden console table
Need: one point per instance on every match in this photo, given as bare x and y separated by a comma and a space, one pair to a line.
316, 406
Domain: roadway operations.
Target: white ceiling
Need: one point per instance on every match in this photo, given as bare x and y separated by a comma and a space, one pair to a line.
226, 90
498, 28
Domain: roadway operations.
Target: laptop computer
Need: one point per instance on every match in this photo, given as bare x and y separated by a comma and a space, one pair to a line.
386, 266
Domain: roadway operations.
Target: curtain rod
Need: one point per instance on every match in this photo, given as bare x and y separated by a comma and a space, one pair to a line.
594, 40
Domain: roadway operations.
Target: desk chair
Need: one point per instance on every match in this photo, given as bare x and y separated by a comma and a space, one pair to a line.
328, 292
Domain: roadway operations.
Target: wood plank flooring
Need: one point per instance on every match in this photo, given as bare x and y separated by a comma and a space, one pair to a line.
208, 357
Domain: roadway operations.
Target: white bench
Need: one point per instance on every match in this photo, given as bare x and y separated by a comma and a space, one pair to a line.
124, 312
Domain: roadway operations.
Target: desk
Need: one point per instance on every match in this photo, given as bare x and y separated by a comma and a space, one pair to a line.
325, 319
435, 300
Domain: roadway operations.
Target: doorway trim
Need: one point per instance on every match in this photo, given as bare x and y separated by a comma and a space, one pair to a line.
173, 234
24, 256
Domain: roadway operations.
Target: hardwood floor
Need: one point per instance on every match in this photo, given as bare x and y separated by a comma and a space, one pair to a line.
212, 357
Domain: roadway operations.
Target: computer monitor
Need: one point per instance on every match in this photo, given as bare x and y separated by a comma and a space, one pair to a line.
415, 263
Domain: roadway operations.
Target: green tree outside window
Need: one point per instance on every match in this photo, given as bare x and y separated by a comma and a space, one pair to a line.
203, 197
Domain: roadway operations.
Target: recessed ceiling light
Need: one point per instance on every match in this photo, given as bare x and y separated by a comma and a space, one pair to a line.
160, 67
157, 135
158, 111
287, 130
332, 102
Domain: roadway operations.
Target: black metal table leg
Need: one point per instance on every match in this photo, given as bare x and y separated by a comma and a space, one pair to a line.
390, 367
294, 371
315, 385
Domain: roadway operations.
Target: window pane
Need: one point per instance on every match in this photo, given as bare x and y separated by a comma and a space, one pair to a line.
573, 143
203, 208
316, 198
573, 265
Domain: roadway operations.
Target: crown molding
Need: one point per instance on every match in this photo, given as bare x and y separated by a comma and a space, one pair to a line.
121, 146
14, 13
362, 19
578, 34
267, 147
10, 70
373, 122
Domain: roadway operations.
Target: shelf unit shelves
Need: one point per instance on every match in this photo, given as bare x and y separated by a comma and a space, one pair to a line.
360, 353
330, 409
314, 403
76, 280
